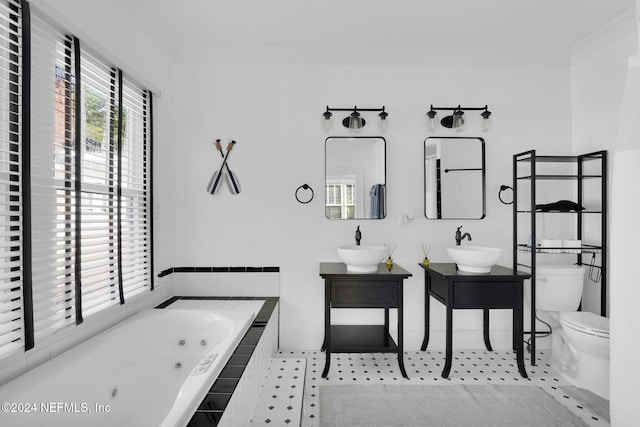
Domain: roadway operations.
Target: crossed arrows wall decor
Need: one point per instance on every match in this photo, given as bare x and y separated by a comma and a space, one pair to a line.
224, 173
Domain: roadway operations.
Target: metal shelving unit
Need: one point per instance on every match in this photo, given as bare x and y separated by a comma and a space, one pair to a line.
525, 254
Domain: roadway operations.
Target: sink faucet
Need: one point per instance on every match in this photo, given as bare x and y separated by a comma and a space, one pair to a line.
358, 236
460, 237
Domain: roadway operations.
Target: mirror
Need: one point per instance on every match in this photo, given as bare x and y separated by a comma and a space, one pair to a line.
355, 177
454, 178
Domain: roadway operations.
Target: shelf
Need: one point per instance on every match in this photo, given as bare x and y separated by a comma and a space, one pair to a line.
560, 177
590, 249
361, 339
562, 159
584, 264
561, 212
578, 172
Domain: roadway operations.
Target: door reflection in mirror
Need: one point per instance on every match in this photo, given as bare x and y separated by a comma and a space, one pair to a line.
355, 177
454, 178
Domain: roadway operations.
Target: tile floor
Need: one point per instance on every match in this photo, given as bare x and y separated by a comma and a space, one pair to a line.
290, 394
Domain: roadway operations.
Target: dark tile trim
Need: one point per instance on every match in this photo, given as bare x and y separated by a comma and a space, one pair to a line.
165, 272
210, 411
218, 270
167, 302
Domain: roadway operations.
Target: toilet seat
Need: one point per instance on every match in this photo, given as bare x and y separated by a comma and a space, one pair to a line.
586, 322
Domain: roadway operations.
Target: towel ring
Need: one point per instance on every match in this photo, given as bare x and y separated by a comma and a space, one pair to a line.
502, 188
304, 187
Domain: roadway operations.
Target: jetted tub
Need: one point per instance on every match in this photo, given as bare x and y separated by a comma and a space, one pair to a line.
153, 369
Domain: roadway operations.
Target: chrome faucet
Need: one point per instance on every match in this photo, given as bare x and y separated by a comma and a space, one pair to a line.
460, 237
358, 236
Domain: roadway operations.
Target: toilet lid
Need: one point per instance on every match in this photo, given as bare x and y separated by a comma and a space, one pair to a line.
586, 322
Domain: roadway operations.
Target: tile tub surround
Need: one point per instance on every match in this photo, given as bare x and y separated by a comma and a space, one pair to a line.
224, 281
232, 397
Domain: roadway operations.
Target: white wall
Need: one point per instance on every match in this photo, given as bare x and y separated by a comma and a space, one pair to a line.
598, 76
597, 84
274, 110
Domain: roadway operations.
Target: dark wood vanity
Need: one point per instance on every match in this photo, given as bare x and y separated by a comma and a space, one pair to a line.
499, 289
380, 289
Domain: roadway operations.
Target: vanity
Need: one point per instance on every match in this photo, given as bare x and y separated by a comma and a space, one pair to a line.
379, 289
501, 288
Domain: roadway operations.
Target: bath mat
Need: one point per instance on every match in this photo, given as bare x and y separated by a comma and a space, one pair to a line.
598, 405
446, 406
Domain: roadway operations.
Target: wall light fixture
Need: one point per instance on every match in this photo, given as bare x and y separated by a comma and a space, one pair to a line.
456, 119
354, 121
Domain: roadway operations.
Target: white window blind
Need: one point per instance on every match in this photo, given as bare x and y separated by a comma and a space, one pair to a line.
135, 185
12, 330
99, 246
75, 182
52, 178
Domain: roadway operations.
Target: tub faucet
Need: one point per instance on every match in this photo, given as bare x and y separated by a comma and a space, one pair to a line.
358, 236
460, 237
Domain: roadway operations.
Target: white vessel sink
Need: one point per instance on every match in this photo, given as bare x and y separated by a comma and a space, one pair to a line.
474, 259
361, 258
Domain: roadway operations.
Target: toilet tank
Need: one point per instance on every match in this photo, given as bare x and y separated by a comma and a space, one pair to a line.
559, 287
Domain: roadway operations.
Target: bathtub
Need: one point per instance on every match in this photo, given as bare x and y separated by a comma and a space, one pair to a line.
151, 370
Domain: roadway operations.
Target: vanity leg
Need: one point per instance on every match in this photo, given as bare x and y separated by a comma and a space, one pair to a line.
449, 343
327, 328
514, 343
386, 327
425, 341
327, 363
485, 326
518, 326
401, 334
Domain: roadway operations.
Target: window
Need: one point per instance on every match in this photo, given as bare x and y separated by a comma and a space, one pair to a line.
52, 179
99, 182
340, 198
12, 314
75, 182
135, 184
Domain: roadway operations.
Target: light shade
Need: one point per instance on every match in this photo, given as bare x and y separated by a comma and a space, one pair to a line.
355, 122
486, 120
327, 122
432, 122
384, 121
458, 119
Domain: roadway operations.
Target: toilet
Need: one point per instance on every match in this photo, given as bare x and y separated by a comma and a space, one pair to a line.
580, 339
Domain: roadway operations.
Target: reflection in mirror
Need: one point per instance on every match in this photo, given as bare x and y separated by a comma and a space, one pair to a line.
454, 178
355, 177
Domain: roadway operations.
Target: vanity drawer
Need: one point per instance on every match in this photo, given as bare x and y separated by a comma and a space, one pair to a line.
485, 294
346, 294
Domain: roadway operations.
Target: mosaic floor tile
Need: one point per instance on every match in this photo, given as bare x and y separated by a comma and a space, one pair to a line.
294, 377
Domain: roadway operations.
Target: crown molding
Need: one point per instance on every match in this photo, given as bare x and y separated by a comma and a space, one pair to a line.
623, 26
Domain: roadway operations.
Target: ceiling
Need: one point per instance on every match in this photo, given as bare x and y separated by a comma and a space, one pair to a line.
543, 26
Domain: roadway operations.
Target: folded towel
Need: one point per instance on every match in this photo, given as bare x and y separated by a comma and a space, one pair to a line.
561, 205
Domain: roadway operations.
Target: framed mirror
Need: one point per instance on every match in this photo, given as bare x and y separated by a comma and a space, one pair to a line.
355, 177
454, 178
